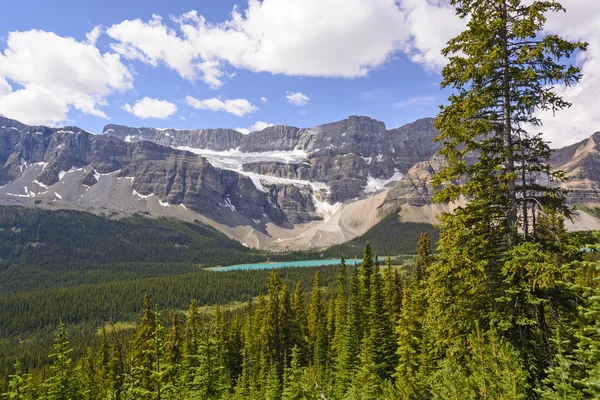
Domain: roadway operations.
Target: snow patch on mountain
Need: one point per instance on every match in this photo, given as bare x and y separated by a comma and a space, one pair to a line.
325, 209
375, 185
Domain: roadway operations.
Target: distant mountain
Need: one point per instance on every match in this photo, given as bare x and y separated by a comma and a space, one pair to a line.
260, 188
580, 162
280, 188
350, 156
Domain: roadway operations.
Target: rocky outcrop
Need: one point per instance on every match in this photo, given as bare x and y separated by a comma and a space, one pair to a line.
214, 139
581, 164
398, 148
415, 188
174, 176
296, 202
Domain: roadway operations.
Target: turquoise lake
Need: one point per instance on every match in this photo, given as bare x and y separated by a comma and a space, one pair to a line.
283, 264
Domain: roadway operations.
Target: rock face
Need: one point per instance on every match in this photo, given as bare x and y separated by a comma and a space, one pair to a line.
398, 148
581, 165
174, 176
295, 202
580, 162
415, 188
344, 155
272, 180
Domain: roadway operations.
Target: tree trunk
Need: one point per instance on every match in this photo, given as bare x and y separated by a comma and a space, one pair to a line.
507, 131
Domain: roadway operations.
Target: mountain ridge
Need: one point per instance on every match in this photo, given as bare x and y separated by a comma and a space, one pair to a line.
283, 187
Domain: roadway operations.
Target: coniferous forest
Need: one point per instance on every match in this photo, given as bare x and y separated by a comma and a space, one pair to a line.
504, 304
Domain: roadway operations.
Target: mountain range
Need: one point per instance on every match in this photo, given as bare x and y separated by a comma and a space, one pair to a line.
280, 188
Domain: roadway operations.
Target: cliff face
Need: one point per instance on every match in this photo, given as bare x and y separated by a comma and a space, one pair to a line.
580, 162
361, 136
581, 165
174, 176
276, 179
344, 155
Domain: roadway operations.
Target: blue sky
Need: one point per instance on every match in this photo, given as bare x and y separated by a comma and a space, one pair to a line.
378, 58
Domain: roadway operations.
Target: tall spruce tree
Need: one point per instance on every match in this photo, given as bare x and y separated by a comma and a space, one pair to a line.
503, 70
317, 329
19, 387
62, 384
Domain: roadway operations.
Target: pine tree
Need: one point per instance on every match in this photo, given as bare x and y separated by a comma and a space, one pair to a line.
317, 333
367, 381
89, 378
191, 334
450, 381
62, 384
19, 387
414, 363
495, 369
173, 370
561, 380
381, 337
273, 386
144, 380
392, 290
209, 376
299, 322
503, 70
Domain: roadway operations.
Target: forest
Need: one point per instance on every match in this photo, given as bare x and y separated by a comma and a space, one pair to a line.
503, 304
373, 332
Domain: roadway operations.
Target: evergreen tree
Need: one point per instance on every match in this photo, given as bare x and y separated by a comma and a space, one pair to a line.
89, 378
503, 71
191, 338
299, 321
414, 363
495, 369
393, 291
380, 336
317, 332
19, 387
172, 378
144, 380
209, 376
62, 384
561, 381
367, 382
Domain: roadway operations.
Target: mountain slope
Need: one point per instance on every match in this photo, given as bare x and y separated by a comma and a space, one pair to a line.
42, 248
259, 189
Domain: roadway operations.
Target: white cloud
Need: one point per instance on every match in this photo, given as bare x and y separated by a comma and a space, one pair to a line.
330, 38
580, 22
415, 101
264, 99
53, 74
94, 34
258, 126
431, 24
151, 108
5, 87
239, 107
297, 98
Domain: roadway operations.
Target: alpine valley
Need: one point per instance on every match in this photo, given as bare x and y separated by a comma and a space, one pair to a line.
282, 188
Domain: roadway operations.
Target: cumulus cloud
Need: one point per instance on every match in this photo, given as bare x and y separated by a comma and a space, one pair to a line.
296, 98
151, 108
430, 23
330, 38
239, 107
264, 99
258, 126
580, 22
53, 74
